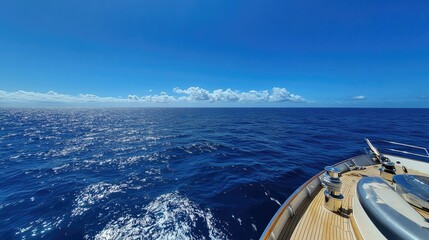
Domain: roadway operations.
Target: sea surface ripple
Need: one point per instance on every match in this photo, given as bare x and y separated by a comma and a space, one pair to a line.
175, 173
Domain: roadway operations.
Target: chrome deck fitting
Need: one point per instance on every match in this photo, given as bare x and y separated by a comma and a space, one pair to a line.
332, 182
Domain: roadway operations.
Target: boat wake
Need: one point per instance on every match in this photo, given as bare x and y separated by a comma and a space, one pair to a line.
169, 216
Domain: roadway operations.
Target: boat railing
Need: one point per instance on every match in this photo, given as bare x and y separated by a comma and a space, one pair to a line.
395, 148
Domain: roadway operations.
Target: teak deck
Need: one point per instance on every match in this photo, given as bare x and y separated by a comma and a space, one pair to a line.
313, 221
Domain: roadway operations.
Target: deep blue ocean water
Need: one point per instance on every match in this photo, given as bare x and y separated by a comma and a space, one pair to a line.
173, 173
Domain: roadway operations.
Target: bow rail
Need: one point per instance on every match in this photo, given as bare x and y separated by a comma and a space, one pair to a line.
402, 148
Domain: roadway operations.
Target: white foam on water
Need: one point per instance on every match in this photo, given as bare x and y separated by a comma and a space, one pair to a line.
169, 216
60, 168
275, 200
93, 194
254, 227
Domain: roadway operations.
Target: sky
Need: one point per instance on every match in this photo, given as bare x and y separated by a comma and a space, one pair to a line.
285, 53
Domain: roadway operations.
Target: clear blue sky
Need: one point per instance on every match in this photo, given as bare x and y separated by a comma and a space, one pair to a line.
331, 53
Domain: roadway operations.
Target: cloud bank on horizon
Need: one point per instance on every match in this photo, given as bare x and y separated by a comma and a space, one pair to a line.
189, 95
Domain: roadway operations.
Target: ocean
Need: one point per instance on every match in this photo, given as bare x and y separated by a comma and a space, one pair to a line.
173, 173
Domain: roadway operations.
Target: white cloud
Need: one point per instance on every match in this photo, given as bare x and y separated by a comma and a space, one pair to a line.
161, 98
229, 95
24, 96
189, 95
282, 95
194, 93
360, 97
